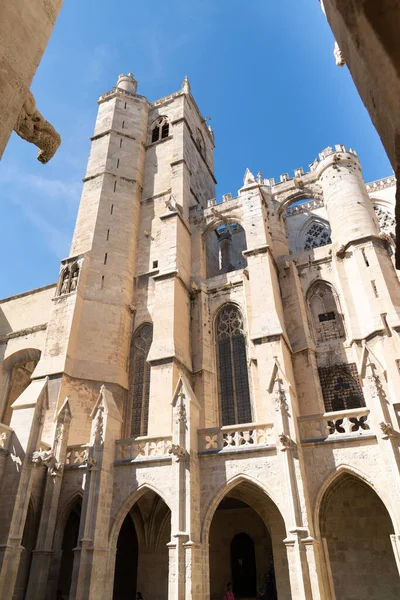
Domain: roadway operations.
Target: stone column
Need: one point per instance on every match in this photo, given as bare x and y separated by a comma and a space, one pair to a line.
27, 423
185, 564
89, 578
42, 555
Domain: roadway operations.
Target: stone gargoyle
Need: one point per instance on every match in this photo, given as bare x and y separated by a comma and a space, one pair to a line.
33, 128
48, 459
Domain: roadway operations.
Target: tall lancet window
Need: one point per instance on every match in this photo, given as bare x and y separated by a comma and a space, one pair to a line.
140, 379
233, 377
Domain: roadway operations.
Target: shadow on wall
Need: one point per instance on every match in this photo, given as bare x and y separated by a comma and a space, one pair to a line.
224, 248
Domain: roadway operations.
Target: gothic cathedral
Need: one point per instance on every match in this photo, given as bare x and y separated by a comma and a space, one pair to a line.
210, 393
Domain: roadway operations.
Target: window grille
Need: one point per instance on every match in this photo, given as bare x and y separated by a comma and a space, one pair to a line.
340, 387
140, 380
234, 391
317, 235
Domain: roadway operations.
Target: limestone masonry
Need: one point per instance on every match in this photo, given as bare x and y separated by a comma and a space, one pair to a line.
210, 393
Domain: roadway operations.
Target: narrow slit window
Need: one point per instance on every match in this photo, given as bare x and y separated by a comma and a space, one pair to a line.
125, 105
365, 257
102, 281
123, 124
108, 234
105, 258
112, 209
155, 264
118, 163
386, 324
115, 186
120, 143
375, 289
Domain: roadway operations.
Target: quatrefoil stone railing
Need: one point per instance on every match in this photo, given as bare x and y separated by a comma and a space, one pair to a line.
331, 425
248, 436
143, 448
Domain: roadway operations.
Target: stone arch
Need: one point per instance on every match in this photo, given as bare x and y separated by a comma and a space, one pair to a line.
353, 471
324, 311
25, 356
139, 546
356, 529
297, 195
63, 517
315, 232
255, 513
65, 540
125, 507
224, 490
224, 241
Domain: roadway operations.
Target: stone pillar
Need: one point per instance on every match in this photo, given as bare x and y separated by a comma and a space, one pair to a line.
89, 578
185, 564
42, 555
27, 423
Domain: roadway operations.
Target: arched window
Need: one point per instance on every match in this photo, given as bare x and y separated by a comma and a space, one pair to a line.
224, 249
234, 392
316, 235
160, 129
327, 322
140, 379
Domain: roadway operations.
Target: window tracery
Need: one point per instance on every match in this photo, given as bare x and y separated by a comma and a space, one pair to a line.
140, 380
340, 387
160, 129
317, 234
386, 220
234, 391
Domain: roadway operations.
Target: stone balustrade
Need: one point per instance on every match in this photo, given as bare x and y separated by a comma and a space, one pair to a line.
249, 436
76, 455
5, 436
335, 425
143, 448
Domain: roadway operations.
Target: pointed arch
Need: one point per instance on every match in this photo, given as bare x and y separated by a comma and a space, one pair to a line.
345, 469
139, 379
159, 130
126, 506
352, 520
15, 376
228, 487
325, 315
232, 369
314, 233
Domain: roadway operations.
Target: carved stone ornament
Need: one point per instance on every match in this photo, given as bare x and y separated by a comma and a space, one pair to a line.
99, 427
33, 128
181, 416
89, 461
387, 430
177, 451
47, 459
286, 442
3, 439
280, 399
339, 58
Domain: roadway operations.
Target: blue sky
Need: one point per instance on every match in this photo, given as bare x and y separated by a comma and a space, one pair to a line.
262, 70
